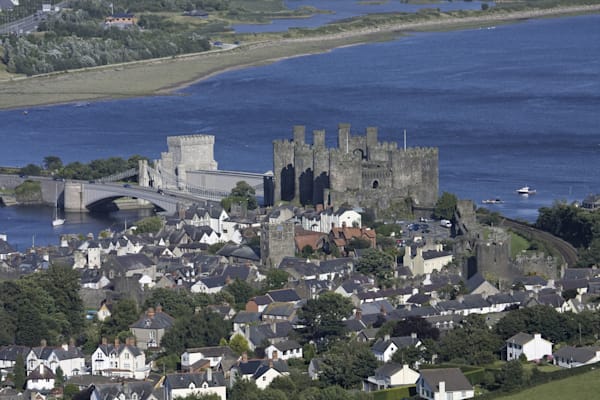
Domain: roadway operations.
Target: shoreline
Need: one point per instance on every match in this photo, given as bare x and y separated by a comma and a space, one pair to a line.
168, 75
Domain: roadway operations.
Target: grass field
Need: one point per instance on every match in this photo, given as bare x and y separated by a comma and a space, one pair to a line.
581, 387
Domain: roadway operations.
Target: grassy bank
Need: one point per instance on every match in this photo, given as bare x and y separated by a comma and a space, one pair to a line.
161, 76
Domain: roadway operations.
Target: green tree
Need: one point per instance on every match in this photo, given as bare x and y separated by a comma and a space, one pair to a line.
472, 341
239, 344
124, 313
322, 317
149, 225
407, 355
242, 291
204, 328
347, 365
52, 163
242, 193
276, 279
445, 207
70, 390
19, 372
59, 377
511, 376
244, 389
202, 396
176, 303
377, 264
31, 169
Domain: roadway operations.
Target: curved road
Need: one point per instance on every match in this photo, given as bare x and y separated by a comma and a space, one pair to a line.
566, 250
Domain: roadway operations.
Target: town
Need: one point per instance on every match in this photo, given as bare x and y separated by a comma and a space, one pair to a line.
357, 280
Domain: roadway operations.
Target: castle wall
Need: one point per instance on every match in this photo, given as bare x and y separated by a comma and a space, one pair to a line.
360, 171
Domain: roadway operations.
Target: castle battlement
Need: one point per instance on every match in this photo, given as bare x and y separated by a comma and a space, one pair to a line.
360, 170
190, 140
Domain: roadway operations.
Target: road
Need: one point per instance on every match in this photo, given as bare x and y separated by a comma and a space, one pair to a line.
28, 24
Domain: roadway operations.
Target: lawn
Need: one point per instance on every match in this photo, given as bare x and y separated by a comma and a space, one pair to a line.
518, 244
581, 387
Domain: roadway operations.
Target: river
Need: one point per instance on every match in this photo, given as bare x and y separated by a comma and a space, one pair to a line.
507, 106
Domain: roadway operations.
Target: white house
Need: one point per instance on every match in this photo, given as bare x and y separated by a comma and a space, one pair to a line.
534, 347
385, 348
572, 357
426, 259
284, 350
262, 372
337, 219
390, 375
41, 378
119, 360
444, 384
183, 385
213, 354
68, 357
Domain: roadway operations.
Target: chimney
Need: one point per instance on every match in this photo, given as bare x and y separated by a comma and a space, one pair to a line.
43, 343
244, 357
72, 342
42, 369
150, 312
209, 375
104, 341
358, 314
65, 347
270, 363
537, 335
382, 310
413, 335
386, 337
274, 326
275, 355
117, 342
442, 389
159, 308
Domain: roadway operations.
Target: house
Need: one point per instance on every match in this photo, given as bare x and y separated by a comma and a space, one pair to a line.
444, 384
120, 20
534, 347
105, 311
477, 284
384, 349
314, 368
122, 360
262, 372
213, 355
284, 350
41, 378
284, 296
258, 303
276, 312
150, 329
8, 358
390, 375
8, 5
198, 384
68, 357
426, 259
572, 357
591, 202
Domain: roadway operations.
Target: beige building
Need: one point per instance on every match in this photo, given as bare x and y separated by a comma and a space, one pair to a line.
150, 329
426, 259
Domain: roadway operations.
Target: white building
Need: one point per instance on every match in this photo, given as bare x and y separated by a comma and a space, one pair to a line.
41, 378
213, 354
573, 357
284, 350
444, 384
68, 357
119, 360
183, 385
426, 259
534, 347
390, 375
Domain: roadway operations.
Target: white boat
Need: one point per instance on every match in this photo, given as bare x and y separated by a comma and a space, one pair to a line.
492, 201
526, 190
56, 221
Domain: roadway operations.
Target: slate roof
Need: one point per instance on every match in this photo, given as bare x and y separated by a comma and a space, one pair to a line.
388, 369
400, 341
454, 379
180, 381
577, 354
36, 374
279, 309
160, 320
283, 295
238, 251
257, 368
10, 353
287, 345
212, 351
110, 348
245, 317
520, 338
578, 273
44, 352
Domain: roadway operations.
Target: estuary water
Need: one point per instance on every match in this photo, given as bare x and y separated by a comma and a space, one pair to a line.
507, 106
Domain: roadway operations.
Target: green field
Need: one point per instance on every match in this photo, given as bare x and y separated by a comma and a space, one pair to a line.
581, 387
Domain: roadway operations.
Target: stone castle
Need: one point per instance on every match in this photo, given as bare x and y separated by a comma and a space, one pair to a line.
361, 171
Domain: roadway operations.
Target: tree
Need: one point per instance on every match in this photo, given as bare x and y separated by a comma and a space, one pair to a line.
241, 291
376, 263
149, 225
276, 279
52, 163
511, 376
242, 193
176, 303
239, 344
418, 325
19, 372
31, 169
205, 328
322, 317
59, 377
473, 342
347, 365
407, 355
124, 313
445, 207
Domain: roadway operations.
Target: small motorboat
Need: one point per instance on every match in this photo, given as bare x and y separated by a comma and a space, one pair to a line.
526, 190
493, 201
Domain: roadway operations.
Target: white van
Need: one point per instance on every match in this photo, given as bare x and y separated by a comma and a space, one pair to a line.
446, 223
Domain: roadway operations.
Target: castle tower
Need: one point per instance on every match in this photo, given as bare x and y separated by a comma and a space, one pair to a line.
276, 242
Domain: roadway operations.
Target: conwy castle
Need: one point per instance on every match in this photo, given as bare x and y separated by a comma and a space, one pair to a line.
361, 171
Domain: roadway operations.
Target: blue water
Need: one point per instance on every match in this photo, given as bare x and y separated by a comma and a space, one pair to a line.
340, 9
511, 106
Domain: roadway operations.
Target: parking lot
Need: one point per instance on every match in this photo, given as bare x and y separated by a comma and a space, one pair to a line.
423, 230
